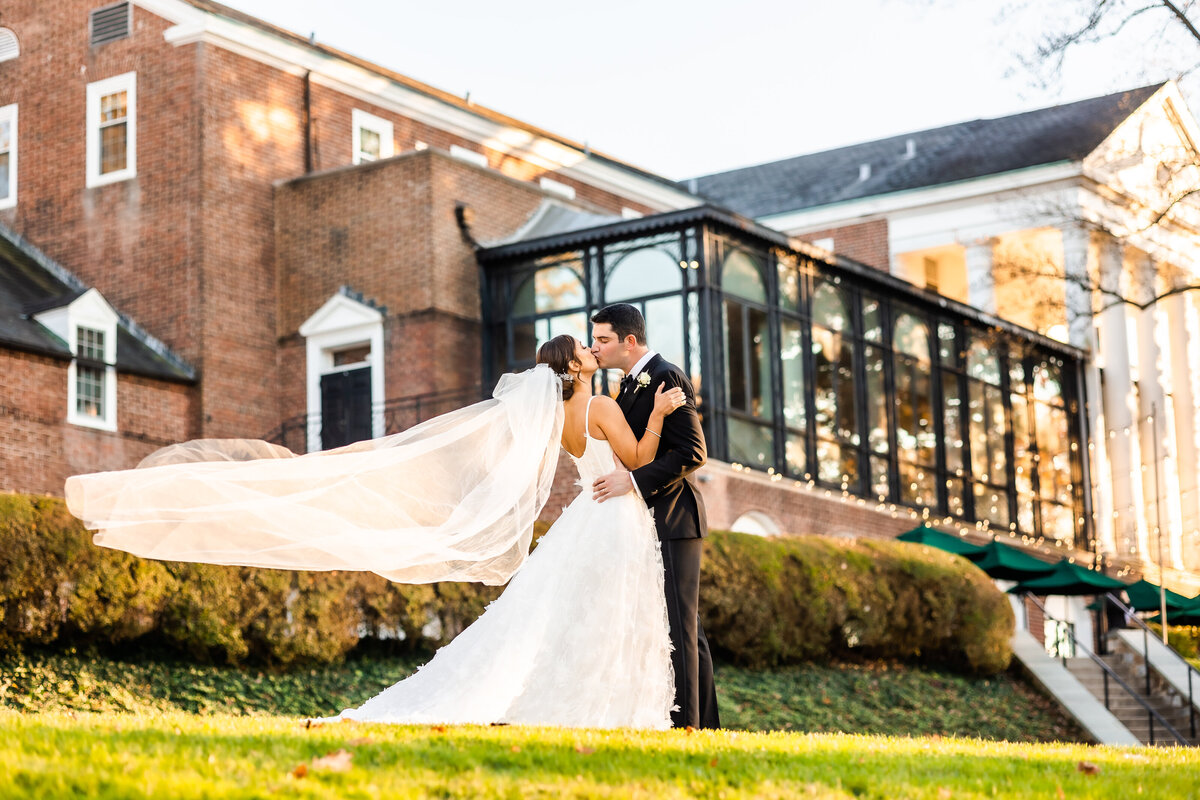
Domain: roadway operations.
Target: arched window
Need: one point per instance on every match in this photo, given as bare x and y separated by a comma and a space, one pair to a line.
635, 276
986, 429
834, 419
747, 363
549, 303
916, 434
10, 48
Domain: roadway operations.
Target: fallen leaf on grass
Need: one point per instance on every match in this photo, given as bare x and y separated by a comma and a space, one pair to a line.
438, 728
713, 763
587, 751
359, 741
516, 748
1087, 768
330, 762
944, 793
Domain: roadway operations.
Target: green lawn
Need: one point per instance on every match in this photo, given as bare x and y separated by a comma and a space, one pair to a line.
879, 699
180, 755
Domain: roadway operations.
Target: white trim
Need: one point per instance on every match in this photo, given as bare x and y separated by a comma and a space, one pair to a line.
96, 90
360, 119
340, 323
10, 45
9, 114
468, 155
89, 310
557, 187
835, 214
193, 25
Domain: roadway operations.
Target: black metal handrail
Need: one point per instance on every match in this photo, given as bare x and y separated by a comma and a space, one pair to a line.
1107, 671
398, 414
1131, 615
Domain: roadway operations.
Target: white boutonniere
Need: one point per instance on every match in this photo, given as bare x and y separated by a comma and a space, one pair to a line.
642, 380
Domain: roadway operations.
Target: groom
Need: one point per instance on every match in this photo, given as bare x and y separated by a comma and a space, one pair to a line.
667, 486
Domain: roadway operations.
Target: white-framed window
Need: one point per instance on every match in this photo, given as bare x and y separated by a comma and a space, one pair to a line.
88, 325
8, 156
112, 129
372, 137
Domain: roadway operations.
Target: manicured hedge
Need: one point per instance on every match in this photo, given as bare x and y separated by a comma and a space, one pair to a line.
767, 602
764, 602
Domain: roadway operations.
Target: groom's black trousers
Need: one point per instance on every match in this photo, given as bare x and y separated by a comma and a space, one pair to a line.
695, 692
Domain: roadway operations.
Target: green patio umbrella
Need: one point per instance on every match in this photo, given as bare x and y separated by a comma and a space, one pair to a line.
1002, 561
1069, 579
1188, 615
1144, 596
924, 534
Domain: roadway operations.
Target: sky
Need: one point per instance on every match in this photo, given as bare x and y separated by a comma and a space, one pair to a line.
690, 88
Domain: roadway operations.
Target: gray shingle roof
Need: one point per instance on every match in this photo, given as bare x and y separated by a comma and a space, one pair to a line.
942, 155
31, 282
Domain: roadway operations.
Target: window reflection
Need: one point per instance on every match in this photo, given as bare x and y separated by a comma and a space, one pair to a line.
642, 272
916, 435
834, 418
987, 427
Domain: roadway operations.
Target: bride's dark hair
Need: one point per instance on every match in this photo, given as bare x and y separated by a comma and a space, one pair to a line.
558, 353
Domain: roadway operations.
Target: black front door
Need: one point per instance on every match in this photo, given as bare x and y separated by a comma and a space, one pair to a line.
345, 407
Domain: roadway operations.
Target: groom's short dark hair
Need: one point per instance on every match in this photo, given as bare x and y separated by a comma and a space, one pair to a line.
625, 320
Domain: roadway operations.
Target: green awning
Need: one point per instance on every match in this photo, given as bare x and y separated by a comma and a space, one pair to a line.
924, 534
1144, 596
1002, 561
1069, 579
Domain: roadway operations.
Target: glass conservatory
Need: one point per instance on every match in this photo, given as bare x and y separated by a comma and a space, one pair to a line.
819, 369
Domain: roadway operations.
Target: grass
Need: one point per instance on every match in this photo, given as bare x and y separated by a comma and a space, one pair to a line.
885, 699
179, 755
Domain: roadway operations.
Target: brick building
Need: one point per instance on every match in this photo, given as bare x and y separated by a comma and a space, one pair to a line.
212, 227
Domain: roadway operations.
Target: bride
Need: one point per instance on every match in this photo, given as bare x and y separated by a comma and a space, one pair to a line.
578, 638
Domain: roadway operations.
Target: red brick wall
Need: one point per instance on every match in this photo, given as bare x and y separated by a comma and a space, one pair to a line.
133, 240
388, 230
39, 449
865, 241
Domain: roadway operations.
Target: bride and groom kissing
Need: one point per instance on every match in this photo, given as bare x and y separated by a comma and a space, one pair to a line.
597, 627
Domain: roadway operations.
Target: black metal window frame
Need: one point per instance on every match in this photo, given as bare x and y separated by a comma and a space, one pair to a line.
703, 244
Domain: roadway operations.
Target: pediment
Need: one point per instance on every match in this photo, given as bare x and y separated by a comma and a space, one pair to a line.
338, 313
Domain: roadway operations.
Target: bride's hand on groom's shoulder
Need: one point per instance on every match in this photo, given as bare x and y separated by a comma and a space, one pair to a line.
667, 400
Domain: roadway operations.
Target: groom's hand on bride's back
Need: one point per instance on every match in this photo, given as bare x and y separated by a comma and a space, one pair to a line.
614, 484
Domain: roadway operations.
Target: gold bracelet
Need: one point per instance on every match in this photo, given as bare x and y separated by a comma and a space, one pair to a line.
652, 432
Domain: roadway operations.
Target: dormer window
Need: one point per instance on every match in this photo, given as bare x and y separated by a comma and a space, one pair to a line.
10, 48
90, 373
88, 325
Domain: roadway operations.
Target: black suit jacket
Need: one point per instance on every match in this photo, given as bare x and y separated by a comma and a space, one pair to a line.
666, 483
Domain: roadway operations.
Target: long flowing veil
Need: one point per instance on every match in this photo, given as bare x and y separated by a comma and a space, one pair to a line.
452, 499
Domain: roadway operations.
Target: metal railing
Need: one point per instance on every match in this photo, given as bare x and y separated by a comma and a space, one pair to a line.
1110, 675
1146, 632
395, 415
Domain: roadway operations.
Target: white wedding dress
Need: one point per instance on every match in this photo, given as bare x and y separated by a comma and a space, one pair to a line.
579, 638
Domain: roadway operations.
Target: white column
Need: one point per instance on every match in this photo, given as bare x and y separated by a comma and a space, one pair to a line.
1128, 523
1078, 258
981, 282
1160, 481
1077, 294
1183, 327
